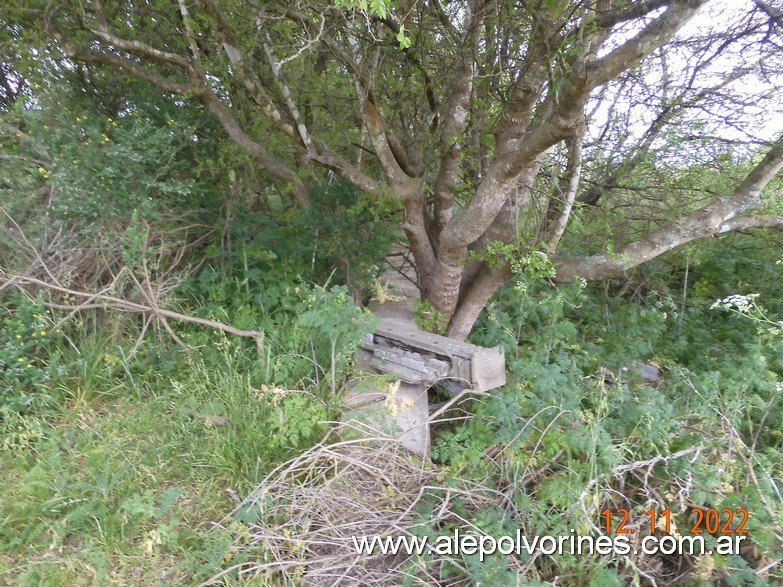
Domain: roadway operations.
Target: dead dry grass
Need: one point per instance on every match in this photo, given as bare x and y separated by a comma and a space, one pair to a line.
309, 509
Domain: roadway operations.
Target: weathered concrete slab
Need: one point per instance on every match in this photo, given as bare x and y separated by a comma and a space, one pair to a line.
398, 409
479, 368
410, 366
398, 405
399, 310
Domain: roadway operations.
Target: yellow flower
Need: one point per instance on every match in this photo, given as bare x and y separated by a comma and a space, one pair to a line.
78, 119
33, 334
20, 360
41, 170
46, 127
29, 365
18, 336
43, 333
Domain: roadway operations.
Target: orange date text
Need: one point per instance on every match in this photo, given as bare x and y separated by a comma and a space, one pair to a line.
710, 520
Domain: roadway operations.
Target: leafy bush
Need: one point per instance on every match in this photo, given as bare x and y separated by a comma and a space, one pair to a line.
559, 431
28, 354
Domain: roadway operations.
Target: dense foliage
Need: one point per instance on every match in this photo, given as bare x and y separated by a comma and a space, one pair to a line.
487, 122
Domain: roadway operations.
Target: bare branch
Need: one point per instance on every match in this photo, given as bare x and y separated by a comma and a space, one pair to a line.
277, 72
243, 70
658, 32
307, 46
132, 67
125, 305
573, 171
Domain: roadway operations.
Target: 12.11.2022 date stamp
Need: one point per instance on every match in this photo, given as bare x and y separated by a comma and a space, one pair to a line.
710, 520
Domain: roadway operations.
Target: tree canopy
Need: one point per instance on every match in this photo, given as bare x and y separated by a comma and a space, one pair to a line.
495, 127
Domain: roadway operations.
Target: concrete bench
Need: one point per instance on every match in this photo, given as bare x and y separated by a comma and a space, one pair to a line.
415, 360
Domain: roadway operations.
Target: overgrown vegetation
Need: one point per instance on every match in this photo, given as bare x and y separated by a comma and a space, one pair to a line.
173, 333
125, 434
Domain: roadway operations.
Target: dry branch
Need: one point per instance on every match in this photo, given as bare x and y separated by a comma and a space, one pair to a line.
100, 300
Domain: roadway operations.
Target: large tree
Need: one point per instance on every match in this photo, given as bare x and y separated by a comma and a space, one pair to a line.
489, 122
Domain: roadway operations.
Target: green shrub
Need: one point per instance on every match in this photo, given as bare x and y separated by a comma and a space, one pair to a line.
29, 356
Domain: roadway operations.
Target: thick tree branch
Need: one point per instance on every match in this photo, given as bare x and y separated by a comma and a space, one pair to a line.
400, 181
198, 86
448, 26
722, 215
415, 60
136, 47
610, 18
274, 165
145, 50
561, 113
454, 114
476, 297
331, 160
503, 226
775, 13
192, 42
385, 146
415, 227
741, 223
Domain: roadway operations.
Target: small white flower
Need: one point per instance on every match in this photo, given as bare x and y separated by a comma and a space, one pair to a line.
741, 303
